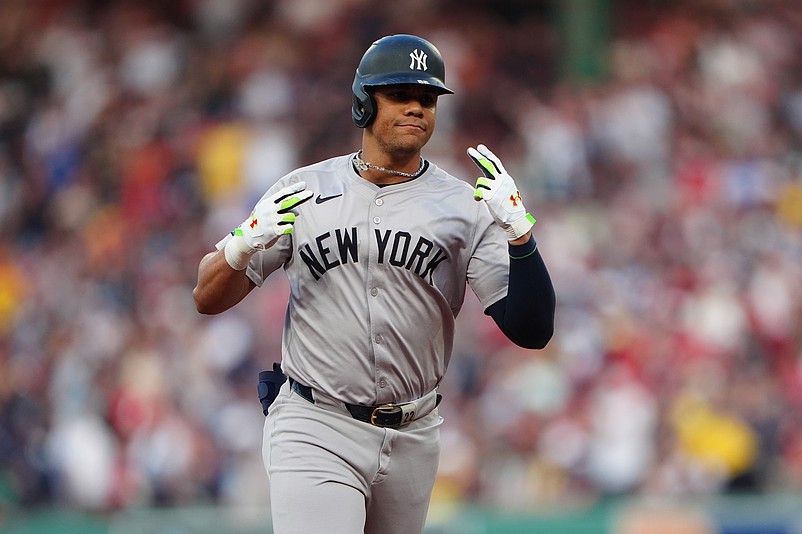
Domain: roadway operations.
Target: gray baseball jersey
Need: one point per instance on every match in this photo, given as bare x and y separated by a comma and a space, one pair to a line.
377, 277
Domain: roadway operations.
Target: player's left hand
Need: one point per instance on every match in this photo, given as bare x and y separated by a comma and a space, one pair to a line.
498, 190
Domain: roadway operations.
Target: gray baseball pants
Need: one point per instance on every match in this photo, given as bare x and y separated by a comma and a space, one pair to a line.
331, 473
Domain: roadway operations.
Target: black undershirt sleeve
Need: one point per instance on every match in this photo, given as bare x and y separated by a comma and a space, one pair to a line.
526, 314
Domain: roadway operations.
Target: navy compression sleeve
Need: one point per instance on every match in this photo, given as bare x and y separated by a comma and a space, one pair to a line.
526, 314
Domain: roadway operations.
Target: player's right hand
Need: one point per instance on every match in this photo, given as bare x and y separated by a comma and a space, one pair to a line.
273, 216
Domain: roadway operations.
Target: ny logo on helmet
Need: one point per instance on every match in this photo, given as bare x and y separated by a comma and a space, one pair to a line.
418, 60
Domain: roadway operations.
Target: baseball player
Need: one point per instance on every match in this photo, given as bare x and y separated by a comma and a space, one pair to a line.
378, 246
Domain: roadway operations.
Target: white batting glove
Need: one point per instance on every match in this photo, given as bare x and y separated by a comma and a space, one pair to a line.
272, 218
498, 190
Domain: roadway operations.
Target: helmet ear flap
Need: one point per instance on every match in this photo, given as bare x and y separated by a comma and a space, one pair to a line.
363, 109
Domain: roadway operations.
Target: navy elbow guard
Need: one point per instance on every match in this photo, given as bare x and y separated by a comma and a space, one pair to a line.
269, 384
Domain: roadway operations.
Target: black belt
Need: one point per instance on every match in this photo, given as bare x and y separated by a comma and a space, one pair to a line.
383, 415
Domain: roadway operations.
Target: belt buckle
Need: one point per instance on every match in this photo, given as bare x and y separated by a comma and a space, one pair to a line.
388, 408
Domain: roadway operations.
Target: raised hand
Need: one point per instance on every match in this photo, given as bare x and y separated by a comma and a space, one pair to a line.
497, 189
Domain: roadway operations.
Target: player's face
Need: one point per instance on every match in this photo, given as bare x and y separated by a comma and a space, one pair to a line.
405, 117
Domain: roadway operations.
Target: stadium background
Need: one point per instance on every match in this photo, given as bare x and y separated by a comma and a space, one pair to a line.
658, 143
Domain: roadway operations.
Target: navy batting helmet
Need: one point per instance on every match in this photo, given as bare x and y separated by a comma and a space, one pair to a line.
394, 60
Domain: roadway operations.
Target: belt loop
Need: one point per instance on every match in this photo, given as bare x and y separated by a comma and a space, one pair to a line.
302, 390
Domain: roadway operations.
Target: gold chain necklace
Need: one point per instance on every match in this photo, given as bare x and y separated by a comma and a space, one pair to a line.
363, 165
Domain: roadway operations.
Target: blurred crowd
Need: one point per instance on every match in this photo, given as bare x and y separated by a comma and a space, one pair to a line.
667, 188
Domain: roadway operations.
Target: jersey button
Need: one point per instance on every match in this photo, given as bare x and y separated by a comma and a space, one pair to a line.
378, 338
379, 201
382, 383
373, 291
377, 220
